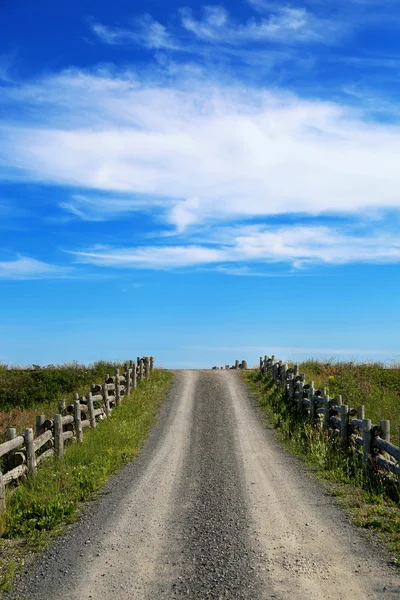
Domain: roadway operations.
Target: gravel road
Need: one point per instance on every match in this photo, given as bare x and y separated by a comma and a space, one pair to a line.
212, 508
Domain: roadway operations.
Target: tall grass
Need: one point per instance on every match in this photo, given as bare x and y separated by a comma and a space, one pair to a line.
371, 384
27, 387
27, 392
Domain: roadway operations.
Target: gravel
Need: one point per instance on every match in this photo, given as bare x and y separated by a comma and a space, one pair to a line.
212, 508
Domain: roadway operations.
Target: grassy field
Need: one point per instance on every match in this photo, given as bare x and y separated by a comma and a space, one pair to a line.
364, 496
38, 508
371, 384
27, 392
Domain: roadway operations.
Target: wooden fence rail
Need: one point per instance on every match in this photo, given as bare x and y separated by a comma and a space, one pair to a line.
369, 441
21, 454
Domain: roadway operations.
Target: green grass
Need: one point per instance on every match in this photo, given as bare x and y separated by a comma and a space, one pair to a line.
50, 499
362, 494
372, 384
24, 388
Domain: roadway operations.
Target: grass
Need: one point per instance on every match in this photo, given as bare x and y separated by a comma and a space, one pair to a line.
25, 393
362, 494
38, 509
371, 384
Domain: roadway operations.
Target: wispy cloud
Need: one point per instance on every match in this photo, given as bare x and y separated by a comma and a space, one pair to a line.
30, 268
97, 207
285, 24
296, 246
144, 31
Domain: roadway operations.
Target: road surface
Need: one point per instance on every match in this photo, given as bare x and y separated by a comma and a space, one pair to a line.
212, 508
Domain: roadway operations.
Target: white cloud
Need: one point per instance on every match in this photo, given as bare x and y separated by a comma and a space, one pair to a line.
29, 268
296, 246
284, 24
103, 208
145, 31
202, 151
151, 257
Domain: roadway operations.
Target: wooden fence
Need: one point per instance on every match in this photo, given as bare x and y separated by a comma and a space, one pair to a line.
369, 441
22, 454
237, 365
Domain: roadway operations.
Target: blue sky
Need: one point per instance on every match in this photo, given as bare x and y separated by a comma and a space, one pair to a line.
201, 182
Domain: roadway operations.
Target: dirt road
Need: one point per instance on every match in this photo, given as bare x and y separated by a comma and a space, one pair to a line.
212, 508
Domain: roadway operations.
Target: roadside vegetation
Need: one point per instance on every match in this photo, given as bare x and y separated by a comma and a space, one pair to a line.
29, 391
38, 508
365, 497
371, 384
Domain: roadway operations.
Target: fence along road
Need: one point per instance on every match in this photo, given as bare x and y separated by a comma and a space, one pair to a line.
212, 508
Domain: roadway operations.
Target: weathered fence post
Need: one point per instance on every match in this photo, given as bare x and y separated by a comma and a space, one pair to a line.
141, 369
146, 367
151, 364
361, 412
134, 375
344, 424
284, 369
367, 439
78, 421
39, 426
30, 451
62, 406
385, 428
90, 406
106, 401
117, 390
128, 379
311, 396
11, 434
327, 407
300, 388
2, 493
58, 436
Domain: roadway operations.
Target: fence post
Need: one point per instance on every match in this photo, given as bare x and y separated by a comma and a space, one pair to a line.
78, 422
62, 405
58, 436
361, 412
39, 429
300, 388
128, 379
284, 369
117, 390
327, 406
151, 364
2, 493
344, 422
311, 393
134, 375
385, 427
90, 406
146, 367
106, 401
367, 439
11, 434
30, 451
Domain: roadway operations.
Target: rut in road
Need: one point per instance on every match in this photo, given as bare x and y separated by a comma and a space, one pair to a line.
212, 508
